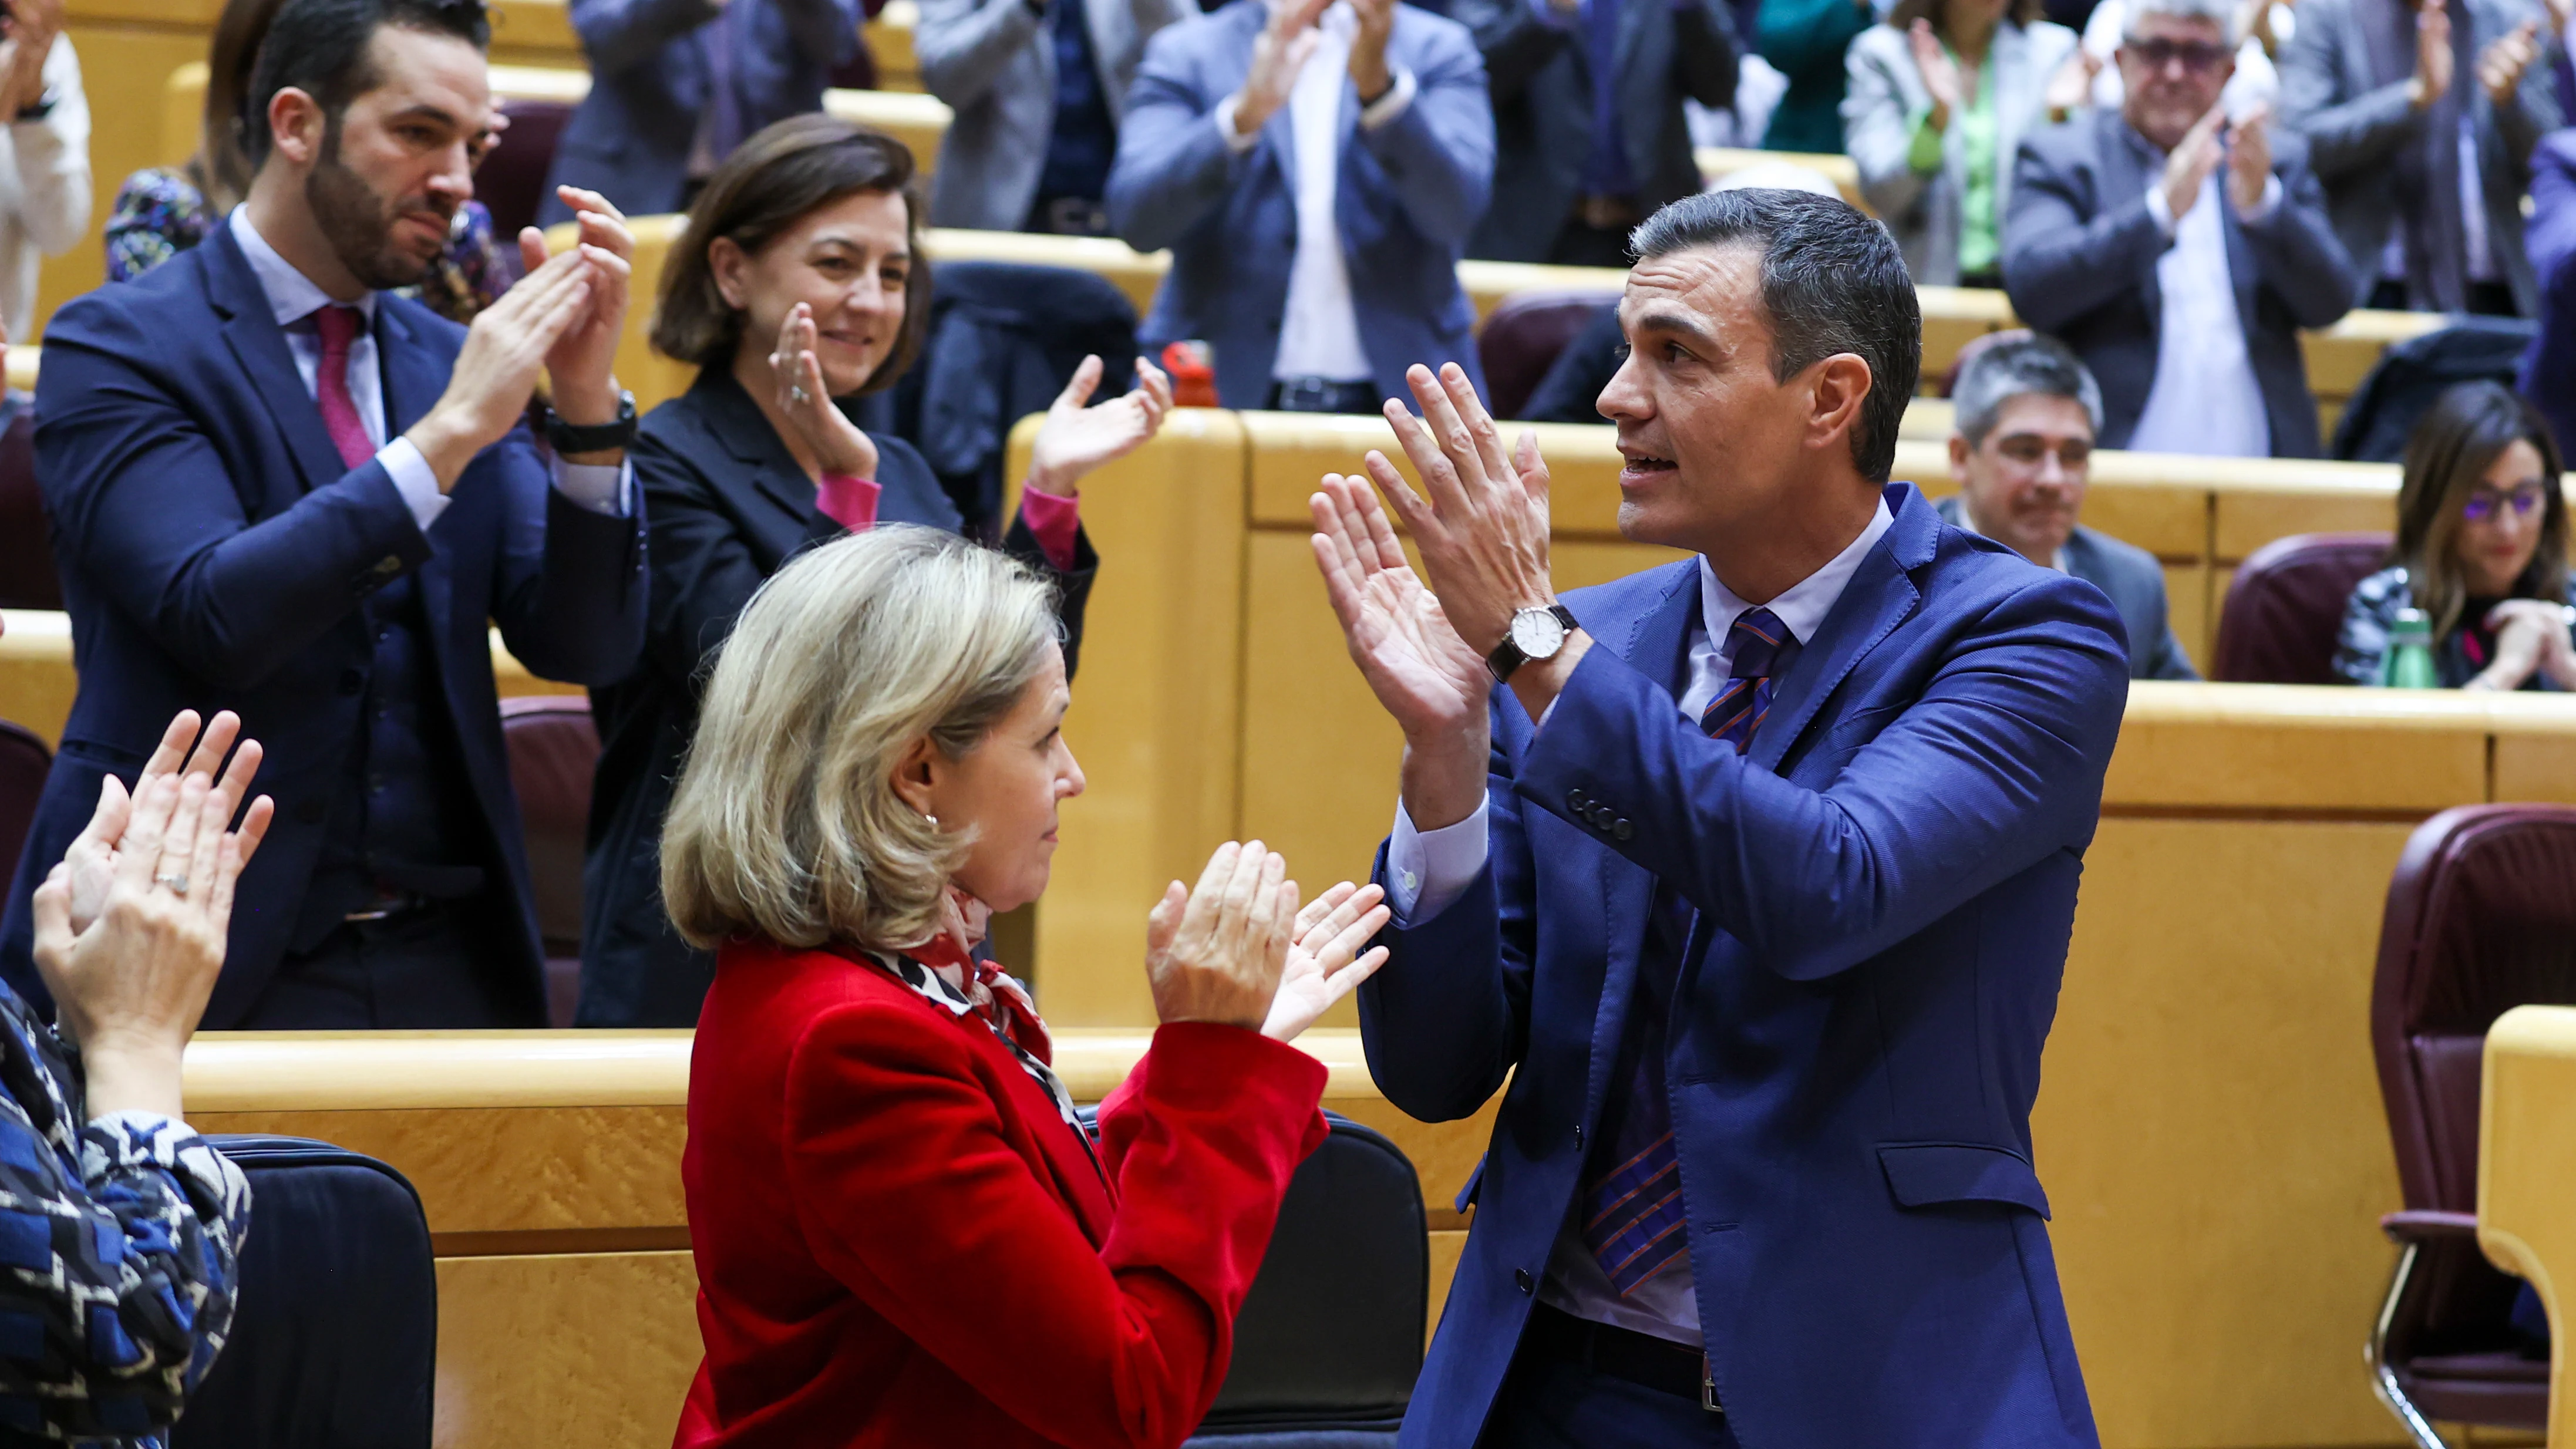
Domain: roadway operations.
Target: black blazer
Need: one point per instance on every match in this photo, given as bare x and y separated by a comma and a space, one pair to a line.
215, 553
1541, 80
729, 507
2079, 261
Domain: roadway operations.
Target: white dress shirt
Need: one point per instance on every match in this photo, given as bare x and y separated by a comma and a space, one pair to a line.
2205, 398
294, 300
1428, 871
1320, 334
44, 189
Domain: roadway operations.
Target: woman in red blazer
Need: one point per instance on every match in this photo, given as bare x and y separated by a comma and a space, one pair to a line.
903, 1235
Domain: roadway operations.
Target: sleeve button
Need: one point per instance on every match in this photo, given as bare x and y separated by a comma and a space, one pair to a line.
1521, 1278
1622, 829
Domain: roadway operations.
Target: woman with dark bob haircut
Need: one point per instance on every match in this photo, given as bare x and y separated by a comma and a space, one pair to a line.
2481, 549
798, 285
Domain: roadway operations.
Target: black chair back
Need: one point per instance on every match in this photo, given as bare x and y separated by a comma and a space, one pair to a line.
24, 763
335, 1328
2401, 387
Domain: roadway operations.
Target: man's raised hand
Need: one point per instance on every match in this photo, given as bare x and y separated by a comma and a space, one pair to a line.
1421, 671
1483, 530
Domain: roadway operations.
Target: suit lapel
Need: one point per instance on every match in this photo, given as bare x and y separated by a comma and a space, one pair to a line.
259, 346
780, 485
2124, 175
411, 388
1879, 597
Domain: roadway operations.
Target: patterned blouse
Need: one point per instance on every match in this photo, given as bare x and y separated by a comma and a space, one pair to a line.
159, 213
117, 1244
2458, 656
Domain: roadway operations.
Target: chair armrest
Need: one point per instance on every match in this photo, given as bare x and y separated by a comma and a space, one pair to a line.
2413, 1226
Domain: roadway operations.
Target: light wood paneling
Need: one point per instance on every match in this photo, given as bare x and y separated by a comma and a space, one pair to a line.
2210, 1134
595, 1349
889, 38
2295, 747
1447, 1247
2527, 1175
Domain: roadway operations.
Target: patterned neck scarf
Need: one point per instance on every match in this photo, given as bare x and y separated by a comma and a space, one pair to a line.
945, 971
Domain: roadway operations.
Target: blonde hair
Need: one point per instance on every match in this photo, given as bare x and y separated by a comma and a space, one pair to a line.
785, 822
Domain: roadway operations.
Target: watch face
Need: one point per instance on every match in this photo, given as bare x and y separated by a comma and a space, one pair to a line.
1538, 633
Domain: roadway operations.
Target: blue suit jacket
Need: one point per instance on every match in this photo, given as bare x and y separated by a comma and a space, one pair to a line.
1407, 195
629, 138
2549, 238
1885, 887
215, 553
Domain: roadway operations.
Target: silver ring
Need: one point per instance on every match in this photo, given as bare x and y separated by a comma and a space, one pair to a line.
177, 883
797, 396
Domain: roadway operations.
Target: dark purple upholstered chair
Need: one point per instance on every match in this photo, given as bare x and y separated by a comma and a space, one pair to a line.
553, 750
1521, 340
512, 180
2481, 917
27, 578
2286, 604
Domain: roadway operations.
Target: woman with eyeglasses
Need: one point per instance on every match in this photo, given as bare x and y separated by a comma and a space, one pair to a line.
2481, 549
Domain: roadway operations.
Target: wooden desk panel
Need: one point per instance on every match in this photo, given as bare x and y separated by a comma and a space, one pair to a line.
595, 1349
2527, 1174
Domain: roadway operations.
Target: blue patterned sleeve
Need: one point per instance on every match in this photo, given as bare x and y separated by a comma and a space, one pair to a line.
156, 216
2363, 642
117, 1250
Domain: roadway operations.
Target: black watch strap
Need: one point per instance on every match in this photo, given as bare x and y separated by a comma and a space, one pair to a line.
563, 437
1508, 656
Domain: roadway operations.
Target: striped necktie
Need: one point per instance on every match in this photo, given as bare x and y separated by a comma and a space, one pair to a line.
1632, 1213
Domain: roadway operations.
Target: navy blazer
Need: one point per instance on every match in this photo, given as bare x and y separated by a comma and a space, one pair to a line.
629, 138
1885, 886
2548, 377
215, 554
1405, 199
730, 507
2079, 260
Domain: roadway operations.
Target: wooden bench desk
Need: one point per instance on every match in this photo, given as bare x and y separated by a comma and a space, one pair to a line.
2527, 1175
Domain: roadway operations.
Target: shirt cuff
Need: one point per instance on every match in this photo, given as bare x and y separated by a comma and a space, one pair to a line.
848, 501
1225, 128
2268, 207
1055, 521
2159, 210
603, 488
1427, 871
1391, 105
414, 480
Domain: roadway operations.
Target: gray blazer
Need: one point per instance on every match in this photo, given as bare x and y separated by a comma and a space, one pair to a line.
1883, 94
2355, 121
993, 62
2080, 254
2134, 582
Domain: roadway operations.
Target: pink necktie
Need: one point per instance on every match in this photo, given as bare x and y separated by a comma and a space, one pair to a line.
849, 502
339, 326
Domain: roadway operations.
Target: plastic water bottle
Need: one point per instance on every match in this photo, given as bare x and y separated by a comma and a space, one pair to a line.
1192, 369
2409, 661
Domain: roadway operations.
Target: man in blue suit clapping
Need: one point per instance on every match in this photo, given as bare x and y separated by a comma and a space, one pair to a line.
281, 489
1315, 167
1753, 875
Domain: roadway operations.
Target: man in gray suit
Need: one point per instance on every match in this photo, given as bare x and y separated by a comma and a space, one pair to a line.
2021, 451
2177, 254
2420, 125
1038, 87
1590, 136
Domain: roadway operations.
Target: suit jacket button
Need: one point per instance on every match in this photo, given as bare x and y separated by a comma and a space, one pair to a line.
309, 813
1574, 801
1602, 816
1522, 1279
1621, 830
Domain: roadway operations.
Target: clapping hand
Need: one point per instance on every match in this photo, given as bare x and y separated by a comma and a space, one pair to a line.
30, 28
496, 371
1216, 953
2432, 54
2501, 65
580, 366
1940, 73
1279, 53
131, 984
2192, 161
1077, 438
2532, 637
1369, 75
838, 446
91, 863
1324, 960
2249, 160
2071, 88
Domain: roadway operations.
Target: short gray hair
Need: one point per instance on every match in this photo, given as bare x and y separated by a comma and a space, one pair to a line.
785, 823
2014, 367
2221, 13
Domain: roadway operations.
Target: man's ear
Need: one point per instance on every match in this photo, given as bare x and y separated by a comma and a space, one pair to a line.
1840, 389
296, 125
1959, 451
916, 775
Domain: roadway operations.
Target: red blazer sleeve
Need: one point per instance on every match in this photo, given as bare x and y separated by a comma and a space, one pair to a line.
909, 1191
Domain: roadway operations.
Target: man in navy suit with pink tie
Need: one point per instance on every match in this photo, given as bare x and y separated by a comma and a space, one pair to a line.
280, 488
1753, 875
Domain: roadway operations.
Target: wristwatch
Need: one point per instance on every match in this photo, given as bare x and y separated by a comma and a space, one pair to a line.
1537, 632
599, 437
